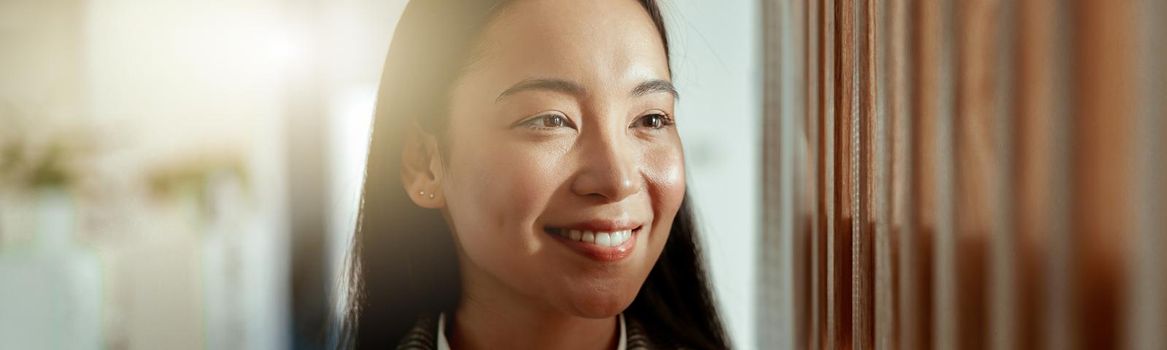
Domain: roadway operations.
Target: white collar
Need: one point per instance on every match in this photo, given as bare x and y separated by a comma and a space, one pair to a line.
445, 345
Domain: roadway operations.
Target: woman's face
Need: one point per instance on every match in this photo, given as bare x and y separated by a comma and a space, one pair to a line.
564, 170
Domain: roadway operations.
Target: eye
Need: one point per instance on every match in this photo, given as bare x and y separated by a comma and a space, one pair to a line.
547, 122
653, 121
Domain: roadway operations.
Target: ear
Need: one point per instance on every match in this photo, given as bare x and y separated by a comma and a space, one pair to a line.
422, 168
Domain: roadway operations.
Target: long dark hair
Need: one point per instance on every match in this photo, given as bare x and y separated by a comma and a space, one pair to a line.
403, 262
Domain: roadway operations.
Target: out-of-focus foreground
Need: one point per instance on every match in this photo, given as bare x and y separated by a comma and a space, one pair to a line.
966, 174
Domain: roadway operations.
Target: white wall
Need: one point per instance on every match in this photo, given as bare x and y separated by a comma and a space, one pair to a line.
716, 63
176, 84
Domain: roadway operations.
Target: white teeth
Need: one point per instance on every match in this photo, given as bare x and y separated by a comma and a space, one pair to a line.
603, 239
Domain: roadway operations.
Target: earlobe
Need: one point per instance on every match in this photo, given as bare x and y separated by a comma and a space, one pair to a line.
421, 171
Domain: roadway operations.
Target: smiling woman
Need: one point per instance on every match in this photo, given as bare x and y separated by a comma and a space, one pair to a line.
526, 185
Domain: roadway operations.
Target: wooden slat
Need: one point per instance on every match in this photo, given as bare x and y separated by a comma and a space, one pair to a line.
846, 159
980, 173
946, 308
863, 139
1057, 317
805, 181
1104, 97
1147, 307
829, 69
1003, 280
907, 323
816, 317
927, 53
794, 184
884, 326
1039, 172
977, 164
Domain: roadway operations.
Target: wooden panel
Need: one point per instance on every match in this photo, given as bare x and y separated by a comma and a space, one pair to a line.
926, 43
827, 158
815, 314
977, 164
863, 140
1039, 166
1104, 99
1002, 298
978, 174
906, 324
1147, 309
884, 293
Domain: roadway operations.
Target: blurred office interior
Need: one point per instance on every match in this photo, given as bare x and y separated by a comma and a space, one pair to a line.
891, 174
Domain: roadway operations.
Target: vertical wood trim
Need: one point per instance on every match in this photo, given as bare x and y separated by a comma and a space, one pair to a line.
864, 141
1058, 318
814, 122
828, 160
792, 184
976, 163
1147, 307
946, 276
884, 326
1039, 167
1103, 100
903, 218
856, 122
986, 173
1003, 281
845, 165
808, 184
814, 98
926, 47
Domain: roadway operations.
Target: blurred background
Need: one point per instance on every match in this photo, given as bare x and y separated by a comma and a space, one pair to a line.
888, 174
184, 174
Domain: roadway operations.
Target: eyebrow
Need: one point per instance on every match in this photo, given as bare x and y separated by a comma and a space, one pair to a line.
572, 88
557, 85
655, 86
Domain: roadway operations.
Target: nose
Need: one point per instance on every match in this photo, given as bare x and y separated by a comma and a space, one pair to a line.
609, 169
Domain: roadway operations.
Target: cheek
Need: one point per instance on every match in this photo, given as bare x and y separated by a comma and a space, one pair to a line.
494, 194
665, 176
664, 172
506, 183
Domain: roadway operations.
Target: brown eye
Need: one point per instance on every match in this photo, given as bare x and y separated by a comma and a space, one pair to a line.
653, 121
554, 121
547, 122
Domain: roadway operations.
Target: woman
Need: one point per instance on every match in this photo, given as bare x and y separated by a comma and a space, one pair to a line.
526, 186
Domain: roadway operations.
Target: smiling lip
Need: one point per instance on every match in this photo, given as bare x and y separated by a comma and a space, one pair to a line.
574, 237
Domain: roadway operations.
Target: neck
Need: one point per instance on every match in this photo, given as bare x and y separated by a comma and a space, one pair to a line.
501, 322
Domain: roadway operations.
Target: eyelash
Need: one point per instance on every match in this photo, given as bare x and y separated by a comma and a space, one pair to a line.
665, 121
533, 123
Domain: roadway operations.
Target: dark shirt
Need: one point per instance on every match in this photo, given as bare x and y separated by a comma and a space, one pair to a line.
424, 335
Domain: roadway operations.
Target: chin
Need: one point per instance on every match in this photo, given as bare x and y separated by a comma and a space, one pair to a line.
593, 304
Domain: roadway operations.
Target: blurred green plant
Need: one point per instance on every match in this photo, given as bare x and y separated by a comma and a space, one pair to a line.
46, 159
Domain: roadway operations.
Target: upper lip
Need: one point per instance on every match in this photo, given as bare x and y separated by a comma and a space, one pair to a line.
600, 225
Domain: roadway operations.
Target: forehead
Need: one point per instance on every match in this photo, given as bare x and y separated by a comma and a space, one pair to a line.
594, 42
